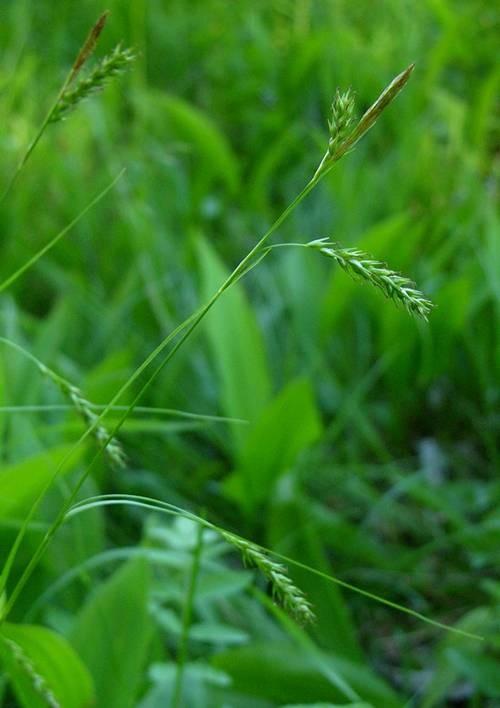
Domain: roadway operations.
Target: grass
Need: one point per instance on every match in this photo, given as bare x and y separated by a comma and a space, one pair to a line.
368, 454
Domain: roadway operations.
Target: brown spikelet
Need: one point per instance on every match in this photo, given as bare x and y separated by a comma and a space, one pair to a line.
387, 95
89, 45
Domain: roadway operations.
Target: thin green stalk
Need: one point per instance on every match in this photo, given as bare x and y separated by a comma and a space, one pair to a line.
187, 614
31, 261
35, 140
171, 412
167, 508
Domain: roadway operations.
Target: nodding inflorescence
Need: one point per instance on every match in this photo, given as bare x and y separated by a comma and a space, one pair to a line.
283, 589
361, 265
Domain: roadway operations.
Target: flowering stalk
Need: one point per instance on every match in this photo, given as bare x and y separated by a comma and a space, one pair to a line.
111, 66
283, 589
361, 265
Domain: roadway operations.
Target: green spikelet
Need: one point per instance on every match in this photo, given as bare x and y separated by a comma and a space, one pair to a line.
361, 265
341, 120
107, 69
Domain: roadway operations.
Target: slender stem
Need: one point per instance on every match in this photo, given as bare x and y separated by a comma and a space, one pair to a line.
31, 261
187, 614
172, 412
36, 139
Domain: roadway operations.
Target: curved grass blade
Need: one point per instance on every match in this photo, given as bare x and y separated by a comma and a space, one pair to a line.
172, 509
167, 412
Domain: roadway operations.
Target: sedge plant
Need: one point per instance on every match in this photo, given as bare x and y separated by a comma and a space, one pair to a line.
344, 133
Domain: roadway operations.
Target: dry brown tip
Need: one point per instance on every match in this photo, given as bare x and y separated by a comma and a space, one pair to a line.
404, 75
89, 44
385, 98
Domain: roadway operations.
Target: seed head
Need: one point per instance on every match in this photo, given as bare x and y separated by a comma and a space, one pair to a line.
341, 119
283, 589
108, 68
362, 266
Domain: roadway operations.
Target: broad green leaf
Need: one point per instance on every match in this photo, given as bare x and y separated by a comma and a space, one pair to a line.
199, 681
22, 482
236, 343
459, 657
329, 705
79, 540
44, 669
51, 336
288, 425
450, 319
217, 633
481, 670
102, 382
209, 144
112, 633
210, 632
281, 673
222, 584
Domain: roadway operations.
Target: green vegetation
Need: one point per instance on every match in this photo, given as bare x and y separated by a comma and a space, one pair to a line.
232, 474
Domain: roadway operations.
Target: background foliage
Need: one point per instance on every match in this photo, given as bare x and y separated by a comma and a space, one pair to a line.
372, 448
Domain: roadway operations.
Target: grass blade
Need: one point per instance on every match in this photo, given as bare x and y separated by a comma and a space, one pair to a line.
54, 241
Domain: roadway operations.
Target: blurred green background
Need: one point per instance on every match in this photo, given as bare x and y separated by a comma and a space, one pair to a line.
372, 449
